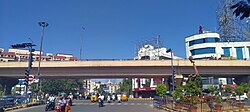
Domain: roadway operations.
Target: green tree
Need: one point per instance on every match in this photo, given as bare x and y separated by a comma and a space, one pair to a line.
125, 86
239, 90
213, 90
161, 90
199, 81
228, 90
178, 93
63, 85
192, 90
246, 87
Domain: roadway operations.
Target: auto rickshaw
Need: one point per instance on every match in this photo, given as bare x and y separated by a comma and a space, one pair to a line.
124, 97
94, 97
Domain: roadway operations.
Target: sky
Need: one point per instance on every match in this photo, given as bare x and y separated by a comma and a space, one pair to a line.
112, 27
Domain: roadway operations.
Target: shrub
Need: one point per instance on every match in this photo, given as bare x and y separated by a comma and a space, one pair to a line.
161, 90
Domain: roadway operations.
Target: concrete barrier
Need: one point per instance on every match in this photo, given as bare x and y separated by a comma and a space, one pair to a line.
140, 98
24, 106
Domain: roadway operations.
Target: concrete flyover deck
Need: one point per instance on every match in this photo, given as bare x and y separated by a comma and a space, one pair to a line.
126, 68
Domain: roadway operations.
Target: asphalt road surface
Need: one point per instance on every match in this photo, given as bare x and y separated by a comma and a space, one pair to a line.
87, 106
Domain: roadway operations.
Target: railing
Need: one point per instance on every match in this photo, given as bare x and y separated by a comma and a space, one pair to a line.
205, 106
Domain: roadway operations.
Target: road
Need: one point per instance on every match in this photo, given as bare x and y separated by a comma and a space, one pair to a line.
87, 106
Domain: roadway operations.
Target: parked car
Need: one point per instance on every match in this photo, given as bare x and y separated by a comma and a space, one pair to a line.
242, 97
236, 97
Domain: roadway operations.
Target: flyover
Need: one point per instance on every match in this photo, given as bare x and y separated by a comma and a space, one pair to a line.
126, 68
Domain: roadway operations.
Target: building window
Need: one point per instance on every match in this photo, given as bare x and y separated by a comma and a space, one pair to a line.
203, 51
229, 81
248, 50
239, 53
226, 51
204, 40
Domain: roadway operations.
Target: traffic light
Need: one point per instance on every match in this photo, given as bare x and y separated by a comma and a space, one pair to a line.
174, 76
31, 58
26, 77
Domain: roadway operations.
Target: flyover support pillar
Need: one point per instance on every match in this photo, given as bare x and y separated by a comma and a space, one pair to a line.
7, 84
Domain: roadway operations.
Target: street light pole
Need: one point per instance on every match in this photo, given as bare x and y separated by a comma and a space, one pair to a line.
172, 65
81, 47
42, 24
172, 68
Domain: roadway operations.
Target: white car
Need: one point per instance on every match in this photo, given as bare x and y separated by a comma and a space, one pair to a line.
241, 98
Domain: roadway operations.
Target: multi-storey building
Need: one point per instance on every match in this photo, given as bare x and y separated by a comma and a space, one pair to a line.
208, 46
145, 87
7, 56
23, 55
112, 87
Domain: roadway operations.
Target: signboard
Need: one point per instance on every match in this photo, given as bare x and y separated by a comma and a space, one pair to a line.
31, 78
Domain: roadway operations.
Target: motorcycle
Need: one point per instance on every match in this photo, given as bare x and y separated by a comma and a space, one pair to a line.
113, 97
58, 107
119, 99
108, 99
100, 102
50, 106
70, 101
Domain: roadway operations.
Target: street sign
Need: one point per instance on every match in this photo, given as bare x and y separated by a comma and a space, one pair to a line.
31, 78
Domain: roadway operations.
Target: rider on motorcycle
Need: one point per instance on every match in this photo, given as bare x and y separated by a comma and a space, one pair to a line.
62, 102
50, 103
100, 100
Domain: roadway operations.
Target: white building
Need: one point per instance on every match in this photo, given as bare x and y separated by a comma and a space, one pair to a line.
149, 52
145, 87
208, 45
1, 50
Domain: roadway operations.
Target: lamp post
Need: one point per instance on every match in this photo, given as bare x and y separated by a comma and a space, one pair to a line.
171, 51
81, 47
42, 24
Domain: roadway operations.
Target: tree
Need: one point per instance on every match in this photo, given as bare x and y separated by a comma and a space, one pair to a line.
246, 87
239, 90
213, 89
241, 8
178, 93
228, 91
161, 90
63, 85
125, 86
192, 91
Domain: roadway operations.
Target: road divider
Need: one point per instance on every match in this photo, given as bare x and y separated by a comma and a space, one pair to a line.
23, 106
140, 98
